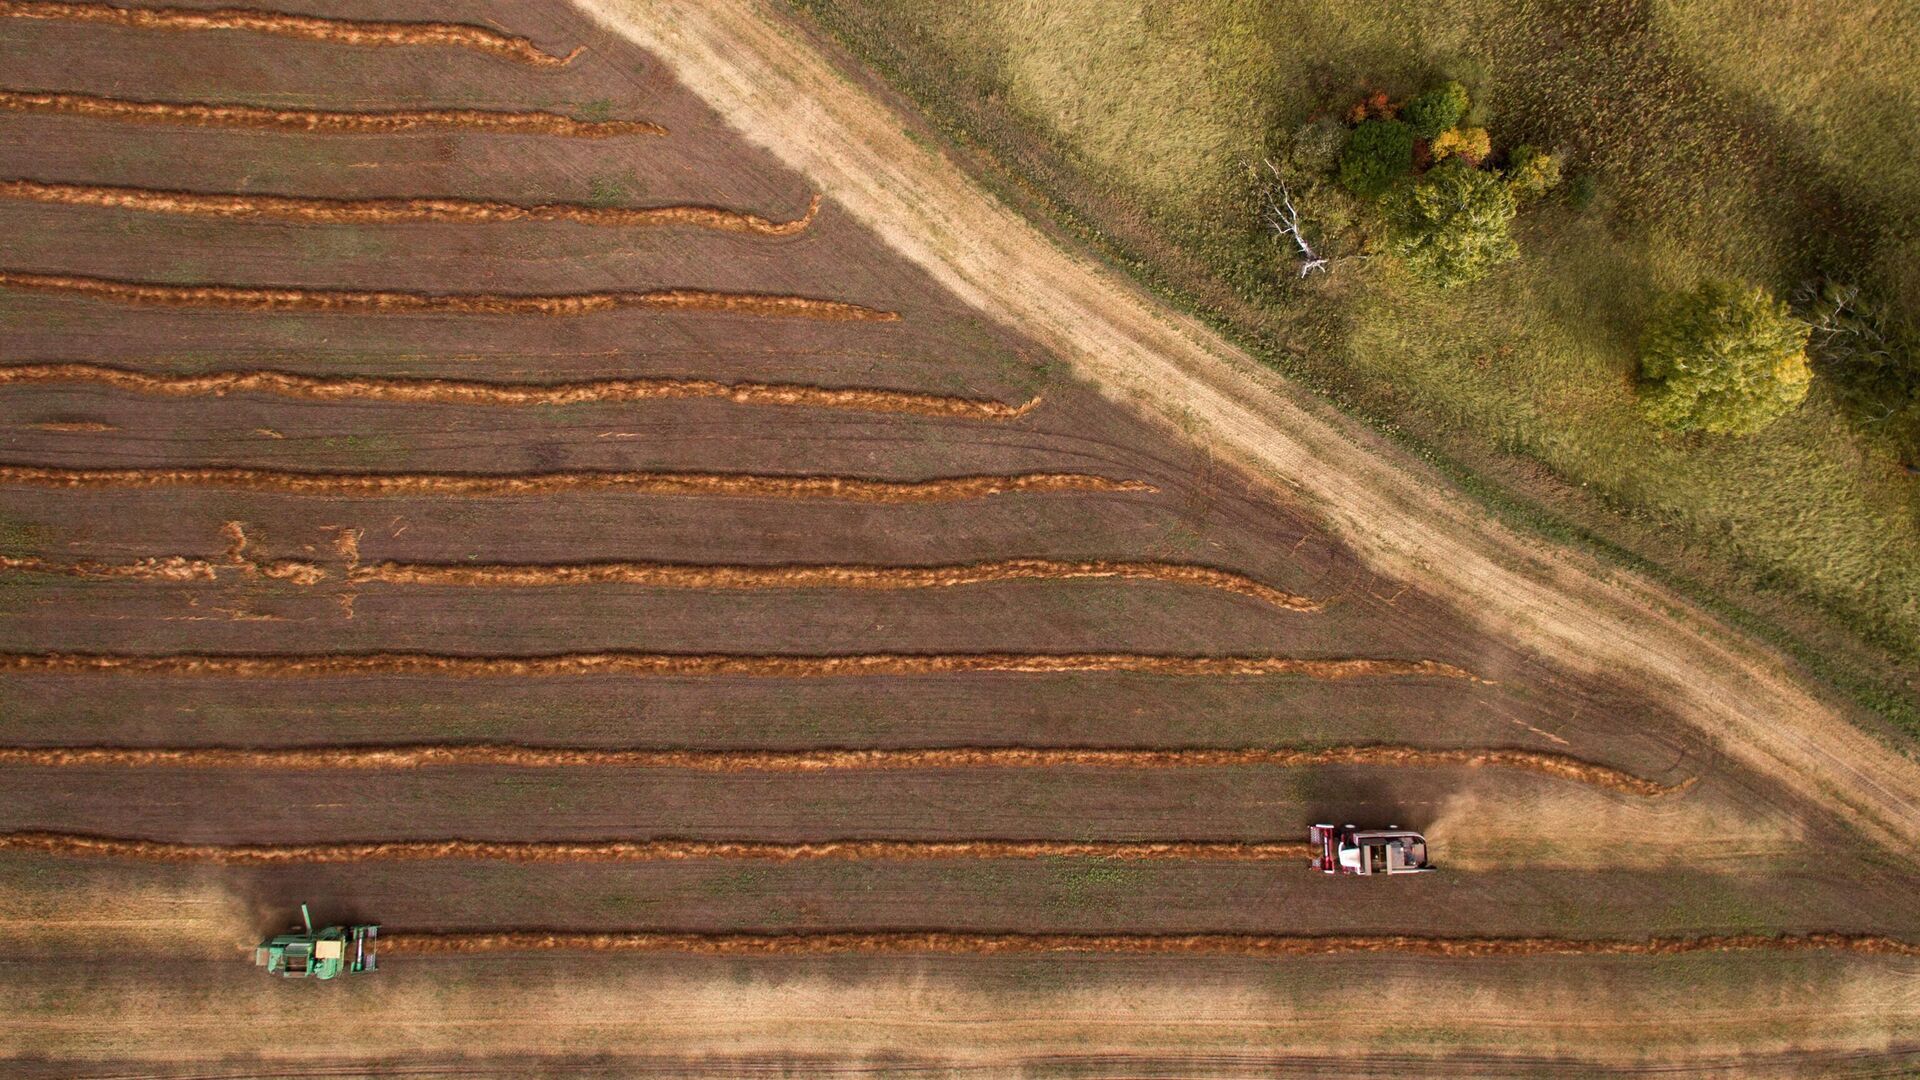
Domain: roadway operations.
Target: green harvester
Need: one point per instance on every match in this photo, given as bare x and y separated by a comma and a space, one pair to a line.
304, 954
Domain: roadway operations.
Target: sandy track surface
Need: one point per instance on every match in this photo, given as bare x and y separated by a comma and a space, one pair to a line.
775, 86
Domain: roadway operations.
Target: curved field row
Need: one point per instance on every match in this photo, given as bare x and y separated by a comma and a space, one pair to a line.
330, 758
388, 302
676, 665
477, 392
622, 851
312, 27
318, 121
472, 485
912, 942
654, 575
322, 211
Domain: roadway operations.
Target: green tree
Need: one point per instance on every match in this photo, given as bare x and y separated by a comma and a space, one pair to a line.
1531, 172
1724, 358
1378, 153
1435, 111
1452, 226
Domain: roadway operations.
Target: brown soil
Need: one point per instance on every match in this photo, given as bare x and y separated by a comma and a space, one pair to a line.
474, 392
731, 485
389, 211
537, 851
314, 28
1176, 945
318, 121
659, 665
343, 300
1558, 766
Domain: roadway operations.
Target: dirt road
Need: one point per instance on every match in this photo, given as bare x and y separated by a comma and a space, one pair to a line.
754, 66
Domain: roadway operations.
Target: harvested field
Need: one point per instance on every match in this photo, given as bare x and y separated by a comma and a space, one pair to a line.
316, 121
777, 619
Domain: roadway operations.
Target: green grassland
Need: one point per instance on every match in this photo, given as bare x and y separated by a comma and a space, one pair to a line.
1720, 139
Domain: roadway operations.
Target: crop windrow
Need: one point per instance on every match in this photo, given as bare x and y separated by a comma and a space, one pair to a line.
421, 943
323, 211
318, 121
475, 392
388, 302
407, 757
679, 665
565, 851
483, 485
311, 27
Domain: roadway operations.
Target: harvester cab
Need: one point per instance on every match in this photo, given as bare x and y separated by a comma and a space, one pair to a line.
304, 953
1353, 850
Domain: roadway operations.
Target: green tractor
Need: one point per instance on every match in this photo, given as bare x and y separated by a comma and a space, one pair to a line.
304, 954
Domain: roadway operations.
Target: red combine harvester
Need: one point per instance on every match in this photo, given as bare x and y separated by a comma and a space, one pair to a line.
1353, 850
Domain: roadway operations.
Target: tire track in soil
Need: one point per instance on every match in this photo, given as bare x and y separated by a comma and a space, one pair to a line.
406, 757
636, 851
318, 121
678, 665
388, 302
336, 31
424, 943
483, 485
325, 211
426, 391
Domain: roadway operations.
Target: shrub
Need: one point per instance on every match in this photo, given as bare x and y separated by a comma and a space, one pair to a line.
1471, 145
1435, 111
1378, 153
1531, 173
1316, 145
1723, 358
1452, 226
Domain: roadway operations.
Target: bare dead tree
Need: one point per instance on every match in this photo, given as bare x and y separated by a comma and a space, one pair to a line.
1284, 220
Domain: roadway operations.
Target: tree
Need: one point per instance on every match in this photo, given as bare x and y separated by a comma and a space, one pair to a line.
1724, 358
1452, 226
1471, 145
1435, 111
1531, 172
1378, 153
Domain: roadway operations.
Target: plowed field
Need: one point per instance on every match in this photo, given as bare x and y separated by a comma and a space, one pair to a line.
775, 600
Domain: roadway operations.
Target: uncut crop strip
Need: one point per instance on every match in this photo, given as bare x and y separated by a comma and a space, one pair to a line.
318, 121
910, 942
480, 485
639, 851
386, 302
322, 211
677, 665
403, 757
475, 392
334, 31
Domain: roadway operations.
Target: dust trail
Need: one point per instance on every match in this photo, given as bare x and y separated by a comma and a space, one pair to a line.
833, 576
561, 851
383, 302
913, 942
388, 211
480, 485
318, 121
397, 757
678, 665
312, 27
474, 392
